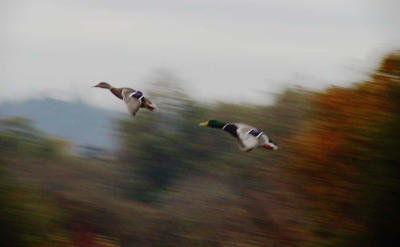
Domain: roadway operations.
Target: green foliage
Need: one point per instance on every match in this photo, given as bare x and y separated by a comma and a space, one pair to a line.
26, 217
18, 136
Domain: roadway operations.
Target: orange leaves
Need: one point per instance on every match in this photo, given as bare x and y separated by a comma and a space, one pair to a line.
338, 140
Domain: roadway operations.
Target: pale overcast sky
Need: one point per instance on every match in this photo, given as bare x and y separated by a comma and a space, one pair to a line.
235, 50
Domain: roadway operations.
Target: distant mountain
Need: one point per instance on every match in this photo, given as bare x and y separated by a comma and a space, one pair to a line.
76, 122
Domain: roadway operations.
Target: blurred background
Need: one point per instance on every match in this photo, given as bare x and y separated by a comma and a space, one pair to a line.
321, 79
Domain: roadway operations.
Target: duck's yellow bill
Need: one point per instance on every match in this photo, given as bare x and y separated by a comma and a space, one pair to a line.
203, 123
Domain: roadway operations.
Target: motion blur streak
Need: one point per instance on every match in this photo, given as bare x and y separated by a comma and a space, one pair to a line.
333, 182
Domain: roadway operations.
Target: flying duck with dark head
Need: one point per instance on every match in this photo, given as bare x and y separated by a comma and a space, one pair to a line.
248, 137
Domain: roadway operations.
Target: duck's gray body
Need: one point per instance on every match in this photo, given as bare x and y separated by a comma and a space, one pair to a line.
249, 138
134, 100
133, 104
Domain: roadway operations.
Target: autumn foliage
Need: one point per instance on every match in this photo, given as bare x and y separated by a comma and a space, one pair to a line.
348, 159
335, 180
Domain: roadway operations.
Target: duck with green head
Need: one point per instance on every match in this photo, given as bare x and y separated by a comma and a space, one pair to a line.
248, 137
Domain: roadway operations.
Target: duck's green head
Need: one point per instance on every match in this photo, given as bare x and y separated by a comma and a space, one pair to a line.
213, 124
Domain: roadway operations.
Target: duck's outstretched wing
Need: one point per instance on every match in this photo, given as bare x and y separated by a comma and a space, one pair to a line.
133, 106
132, 99
247, 141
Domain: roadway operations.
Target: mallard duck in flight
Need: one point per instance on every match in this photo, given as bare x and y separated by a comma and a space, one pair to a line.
133, 99
248, 137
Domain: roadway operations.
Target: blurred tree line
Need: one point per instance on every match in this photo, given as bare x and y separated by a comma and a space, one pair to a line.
333, 182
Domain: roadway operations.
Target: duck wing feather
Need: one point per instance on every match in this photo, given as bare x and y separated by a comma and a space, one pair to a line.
132, 104
246, 140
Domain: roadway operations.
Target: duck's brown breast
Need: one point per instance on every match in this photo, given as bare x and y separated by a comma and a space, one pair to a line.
117, 92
